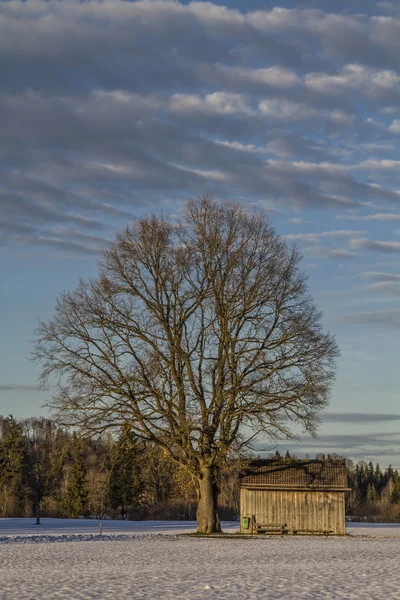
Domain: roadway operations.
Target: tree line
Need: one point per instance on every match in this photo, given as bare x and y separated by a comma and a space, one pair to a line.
374, 492
47, 470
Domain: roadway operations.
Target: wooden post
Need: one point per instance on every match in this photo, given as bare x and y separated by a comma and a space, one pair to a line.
253, 523
101, 527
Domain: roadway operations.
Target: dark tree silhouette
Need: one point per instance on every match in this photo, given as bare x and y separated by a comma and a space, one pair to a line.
76, 496
42, 469
125, 478
12, 453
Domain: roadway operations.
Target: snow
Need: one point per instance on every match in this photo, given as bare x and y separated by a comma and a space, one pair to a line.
17, 528
87, 526
372, 529
132, 560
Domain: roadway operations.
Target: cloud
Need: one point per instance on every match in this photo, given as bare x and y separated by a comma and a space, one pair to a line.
387, 283
335, 253
313, 247
389, 7
358, 418
110, 109
242, 147
17, 387
387, 318
376, 147
390, 217
374, 164
351, 77
217, 103
285, 144
394, 127
380, 277
259, 80
298, 221
280, 109
307, 238
360, 446
57, 243
376, 246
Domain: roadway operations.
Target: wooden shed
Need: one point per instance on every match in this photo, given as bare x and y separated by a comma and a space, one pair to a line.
294, 496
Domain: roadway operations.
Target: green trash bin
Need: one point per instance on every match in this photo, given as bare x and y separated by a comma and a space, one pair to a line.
245, 522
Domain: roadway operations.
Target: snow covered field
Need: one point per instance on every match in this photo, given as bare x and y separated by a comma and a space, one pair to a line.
69, 527
364, 565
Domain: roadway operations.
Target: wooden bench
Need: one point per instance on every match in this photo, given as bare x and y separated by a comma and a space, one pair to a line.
309, 532
270, 528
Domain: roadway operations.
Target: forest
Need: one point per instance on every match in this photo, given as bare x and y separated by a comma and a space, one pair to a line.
48, 471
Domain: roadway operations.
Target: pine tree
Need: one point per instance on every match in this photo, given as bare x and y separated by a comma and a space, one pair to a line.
371, 494
12, 451
125, 479
378, 478
43, 462
395, 496
370, 473
75, 500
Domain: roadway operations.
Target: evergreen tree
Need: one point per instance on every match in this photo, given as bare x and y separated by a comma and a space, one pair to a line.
12, 451
76, 496
378, 479
43, 462
395, 496
370, 473
125, 476
389, 473
371, 494
361, 480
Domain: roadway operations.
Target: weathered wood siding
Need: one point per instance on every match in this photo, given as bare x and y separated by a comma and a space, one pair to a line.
316, 511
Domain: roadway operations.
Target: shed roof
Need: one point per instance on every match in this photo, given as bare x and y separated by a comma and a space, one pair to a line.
296, 474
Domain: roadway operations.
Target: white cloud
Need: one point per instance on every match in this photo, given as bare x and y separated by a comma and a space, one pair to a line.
275, 77
394, 127
242, 147
311, 237
377, 165
280, 109
353, 77
298, 221
217, 103
389, 110
335, 253
376, 147
206, 174
307, 167
390, 217
378, 246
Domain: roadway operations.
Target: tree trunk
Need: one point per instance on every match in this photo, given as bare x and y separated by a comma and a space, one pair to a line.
37, 512
207, 511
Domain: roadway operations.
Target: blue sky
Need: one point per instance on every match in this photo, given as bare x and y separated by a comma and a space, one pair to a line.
111, 110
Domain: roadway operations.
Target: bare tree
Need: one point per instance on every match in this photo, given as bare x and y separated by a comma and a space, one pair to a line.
201, 335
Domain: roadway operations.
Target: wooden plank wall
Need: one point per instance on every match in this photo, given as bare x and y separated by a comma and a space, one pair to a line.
316, 511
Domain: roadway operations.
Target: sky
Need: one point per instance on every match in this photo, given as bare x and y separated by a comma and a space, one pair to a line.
111, 110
